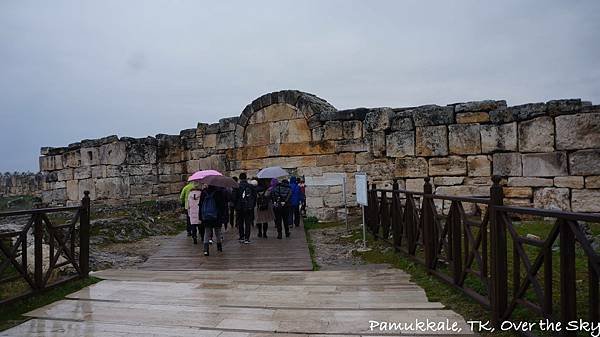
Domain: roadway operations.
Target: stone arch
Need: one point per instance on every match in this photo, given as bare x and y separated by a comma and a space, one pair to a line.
308, 105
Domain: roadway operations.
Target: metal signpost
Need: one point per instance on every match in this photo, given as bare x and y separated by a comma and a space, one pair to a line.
362, 200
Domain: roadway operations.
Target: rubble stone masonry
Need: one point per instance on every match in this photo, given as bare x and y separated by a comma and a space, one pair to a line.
549, 153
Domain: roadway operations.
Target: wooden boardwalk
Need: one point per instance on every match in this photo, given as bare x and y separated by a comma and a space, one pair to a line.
262, 254
257, 290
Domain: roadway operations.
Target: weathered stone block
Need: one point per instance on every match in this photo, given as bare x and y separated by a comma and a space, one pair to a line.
570, 182
464, 139
499, 137
507, 164
518, 192
83, 172
378, 119
518, 112
432, 141
71, 159
428, 115
472, 117
141, 170
114, 171
72, 190
255, 135
87, 185
536, 135
113, 153
448, 181
307, 148
552, 198
225, 140
317, 134
415, 185
376, 143
592, 182
564, 106
352, 145
280, 112
352, 129
585, 162
174, 168
401, 121
576, 132
545, 164
65, 174
112, 188
400, 144
531, 182
51, 163
463, 191
411, 167
585, 201
447, 166
333, 130
142, 151
89, 156
479, 166
486, 105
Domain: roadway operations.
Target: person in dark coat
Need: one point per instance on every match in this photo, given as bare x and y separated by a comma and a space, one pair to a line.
245, 201
281, 196
213, 211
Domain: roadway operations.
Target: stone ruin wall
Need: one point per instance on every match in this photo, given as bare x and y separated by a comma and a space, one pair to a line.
15, 184
548, 152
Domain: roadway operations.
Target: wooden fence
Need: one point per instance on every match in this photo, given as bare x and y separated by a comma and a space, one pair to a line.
470, 252
67, 245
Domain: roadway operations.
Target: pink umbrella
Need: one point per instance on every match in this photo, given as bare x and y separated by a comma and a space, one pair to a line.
203, 174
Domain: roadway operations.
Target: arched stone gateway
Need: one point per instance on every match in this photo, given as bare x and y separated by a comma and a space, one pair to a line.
548, 152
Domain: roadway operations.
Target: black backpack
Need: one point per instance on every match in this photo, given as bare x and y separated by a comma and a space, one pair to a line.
282, 196
247, 197
262, 201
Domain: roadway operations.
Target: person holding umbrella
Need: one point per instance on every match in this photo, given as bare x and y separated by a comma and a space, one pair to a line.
183, 196
264, 206
281, 195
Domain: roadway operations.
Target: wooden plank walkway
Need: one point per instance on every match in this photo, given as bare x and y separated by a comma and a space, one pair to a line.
262, 254
258, 290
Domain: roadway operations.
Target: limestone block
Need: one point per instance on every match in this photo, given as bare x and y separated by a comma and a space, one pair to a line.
576, 132
225, 140
112, 188
352, 129
400, 144
334, 200
210, 140
564, 106
536, 135
592, 182
317, 134
59, 195
89, 156
518, 112
552, 198
141, 189
333, 130
51, 163
586, 201
463, 191
432, 141
215, 162
83, 172
292, 131
518, 192
113, 153
585, 162
73, 190
169, 178
570, 182
99, 171
501, 137
174, 168
280, 112
464, 139
115, 171
545, 164
507, 164
415, 185
401, 121
428, 115
306, 148
479, 181
486, 105
227, 124
142, 151
65, 174
364, 158
378, 119
71, 159
448, 181
352, 145
86, 185
139, 170
377, 143
447, 166
479, 166
310, 171
518, 202
472, 117
314, 202
411, 167
531, 182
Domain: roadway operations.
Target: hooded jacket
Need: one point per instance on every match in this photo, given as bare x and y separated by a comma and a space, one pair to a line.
296, 197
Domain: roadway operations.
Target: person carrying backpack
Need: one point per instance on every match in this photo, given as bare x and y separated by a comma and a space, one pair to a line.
295, 201
245, 201
213, 210
281, 195
264, 208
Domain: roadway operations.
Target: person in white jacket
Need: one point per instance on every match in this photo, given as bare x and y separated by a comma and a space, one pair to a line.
194, 214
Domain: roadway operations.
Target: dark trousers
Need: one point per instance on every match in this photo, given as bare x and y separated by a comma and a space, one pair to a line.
232, 217
244, 221
188, 224
198, 228
282, 214
295, 214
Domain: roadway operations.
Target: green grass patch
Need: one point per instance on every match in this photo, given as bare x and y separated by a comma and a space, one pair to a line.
12, 314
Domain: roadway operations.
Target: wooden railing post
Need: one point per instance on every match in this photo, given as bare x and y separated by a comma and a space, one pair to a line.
396, 216
84, 235
374, 211
499, 271
455, 242
38, 255
429, 237
568, 294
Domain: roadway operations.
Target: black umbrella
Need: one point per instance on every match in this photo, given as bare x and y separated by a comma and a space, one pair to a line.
219, 181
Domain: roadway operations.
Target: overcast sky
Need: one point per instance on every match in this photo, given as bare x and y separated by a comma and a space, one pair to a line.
71, 70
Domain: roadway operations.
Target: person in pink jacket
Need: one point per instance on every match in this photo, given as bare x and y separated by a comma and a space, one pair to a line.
194, 214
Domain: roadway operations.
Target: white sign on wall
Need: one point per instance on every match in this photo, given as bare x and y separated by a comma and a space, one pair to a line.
361, 189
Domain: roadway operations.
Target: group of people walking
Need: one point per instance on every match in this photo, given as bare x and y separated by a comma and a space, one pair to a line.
255, 202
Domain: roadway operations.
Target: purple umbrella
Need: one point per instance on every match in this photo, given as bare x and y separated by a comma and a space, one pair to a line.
203, 174
219, 181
